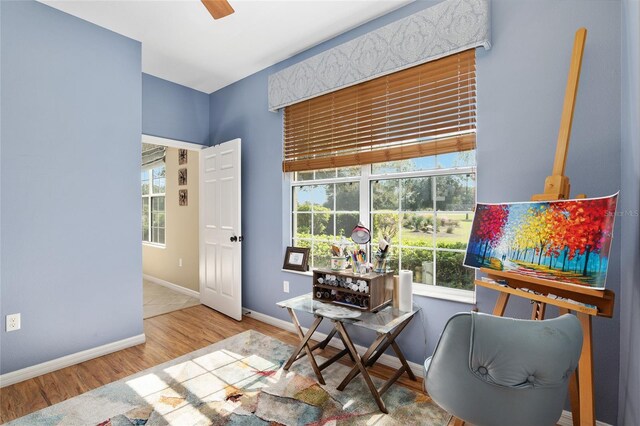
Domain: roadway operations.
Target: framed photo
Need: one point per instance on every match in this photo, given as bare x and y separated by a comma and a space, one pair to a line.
182, 176
183, 156
296, 259
183, 197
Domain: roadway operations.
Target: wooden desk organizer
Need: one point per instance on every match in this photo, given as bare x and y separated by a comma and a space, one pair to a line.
380, 290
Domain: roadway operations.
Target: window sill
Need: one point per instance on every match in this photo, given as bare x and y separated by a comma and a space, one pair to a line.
444, 293
308, 273
154, 245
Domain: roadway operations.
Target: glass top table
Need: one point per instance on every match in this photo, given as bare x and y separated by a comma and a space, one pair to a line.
383, 321
388, 323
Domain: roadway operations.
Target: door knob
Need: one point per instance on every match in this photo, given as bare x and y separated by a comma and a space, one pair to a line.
233, 239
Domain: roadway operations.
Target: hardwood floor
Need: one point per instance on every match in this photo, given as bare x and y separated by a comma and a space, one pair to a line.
168, 336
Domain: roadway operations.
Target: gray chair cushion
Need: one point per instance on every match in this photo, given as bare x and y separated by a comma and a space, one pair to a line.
511, 351
517, 353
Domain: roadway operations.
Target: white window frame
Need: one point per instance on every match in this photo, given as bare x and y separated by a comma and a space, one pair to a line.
365, 179
149, 196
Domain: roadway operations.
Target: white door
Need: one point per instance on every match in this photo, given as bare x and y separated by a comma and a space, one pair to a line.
220, 229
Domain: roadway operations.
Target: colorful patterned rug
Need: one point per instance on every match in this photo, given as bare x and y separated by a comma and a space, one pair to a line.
238, 381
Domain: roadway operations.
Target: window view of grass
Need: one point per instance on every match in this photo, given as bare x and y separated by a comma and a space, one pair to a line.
427, 219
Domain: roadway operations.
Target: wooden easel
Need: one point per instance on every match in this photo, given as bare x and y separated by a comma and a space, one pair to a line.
584, 301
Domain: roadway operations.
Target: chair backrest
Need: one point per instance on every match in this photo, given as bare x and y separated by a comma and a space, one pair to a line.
491, 370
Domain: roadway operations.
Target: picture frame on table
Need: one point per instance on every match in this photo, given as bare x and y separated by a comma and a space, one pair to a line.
296, 259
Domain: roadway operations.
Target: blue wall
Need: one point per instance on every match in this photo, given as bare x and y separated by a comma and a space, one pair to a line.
70, 183
172, 111
629, 221
521, 85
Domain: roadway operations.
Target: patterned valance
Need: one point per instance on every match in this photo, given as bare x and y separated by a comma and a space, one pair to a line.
444, 29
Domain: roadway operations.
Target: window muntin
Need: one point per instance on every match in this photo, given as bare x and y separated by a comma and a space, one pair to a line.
425, 206
153, 183
322, 214
428, 220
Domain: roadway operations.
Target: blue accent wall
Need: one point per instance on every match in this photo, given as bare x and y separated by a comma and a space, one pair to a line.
70, 184
172, 111
521, 84
629, 220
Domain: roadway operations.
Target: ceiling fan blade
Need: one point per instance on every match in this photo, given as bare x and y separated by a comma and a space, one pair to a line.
218, 8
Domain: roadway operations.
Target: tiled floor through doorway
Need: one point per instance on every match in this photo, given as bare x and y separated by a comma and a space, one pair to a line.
159, 300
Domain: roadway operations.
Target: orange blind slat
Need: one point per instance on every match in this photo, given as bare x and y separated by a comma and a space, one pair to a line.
424, 110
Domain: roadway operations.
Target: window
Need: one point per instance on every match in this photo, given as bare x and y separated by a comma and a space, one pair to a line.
153, 209
325, 208
398, 154
423, 206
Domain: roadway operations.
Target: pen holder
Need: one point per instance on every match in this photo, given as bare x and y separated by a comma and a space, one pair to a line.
360, 268
338, 263
381, 265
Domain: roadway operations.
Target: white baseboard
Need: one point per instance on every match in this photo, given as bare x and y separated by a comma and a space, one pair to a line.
385, 359
65, 361
567, 420
172, 286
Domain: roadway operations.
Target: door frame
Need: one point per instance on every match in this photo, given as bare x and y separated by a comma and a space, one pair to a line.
171, 143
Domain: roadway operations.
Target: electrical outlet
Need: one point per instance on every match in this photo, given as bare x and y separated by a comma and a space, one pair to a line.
180, 262
285, 286
13, 322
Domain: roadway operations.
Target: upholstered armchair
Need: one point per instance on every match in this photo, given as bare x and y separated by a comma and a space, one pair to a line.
492, 371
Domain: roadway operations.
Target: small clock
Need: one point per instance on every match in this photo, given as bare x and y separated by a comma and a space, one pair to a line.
182, 176
182, 156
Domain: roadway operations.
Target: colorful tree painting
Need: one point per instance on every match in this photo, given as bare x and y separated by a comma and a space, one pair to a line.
493, 217
566, 241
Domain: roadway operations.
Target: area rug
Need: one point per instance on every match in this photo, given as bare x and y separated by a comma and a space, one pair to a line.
238, 381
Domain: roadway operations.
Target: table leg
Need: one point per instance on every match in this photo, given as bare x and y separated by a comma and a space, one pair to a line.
391, 337
361, 367
354, 370
304, 344
403, 360
333, 359
326, 341
376, 350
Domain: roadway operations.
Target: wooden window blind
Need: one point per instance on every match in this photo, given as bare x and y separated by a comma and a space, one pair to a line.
424, 110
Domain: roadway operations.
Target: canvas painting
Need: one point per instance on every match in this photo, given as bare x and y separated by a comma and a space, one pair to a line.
567, 240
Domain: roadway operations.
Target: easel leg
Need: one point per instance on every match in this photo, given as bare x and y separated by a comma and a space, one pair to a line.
457, 422
574, 396
501, 304
539, 308
585, 373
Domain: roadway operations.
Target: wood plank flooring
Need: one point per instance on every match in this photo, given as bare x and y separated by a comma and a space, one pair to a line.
168, 336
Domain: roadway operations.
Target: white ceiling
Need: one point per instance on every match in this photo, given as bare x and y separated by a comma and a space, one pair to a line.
183, 44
